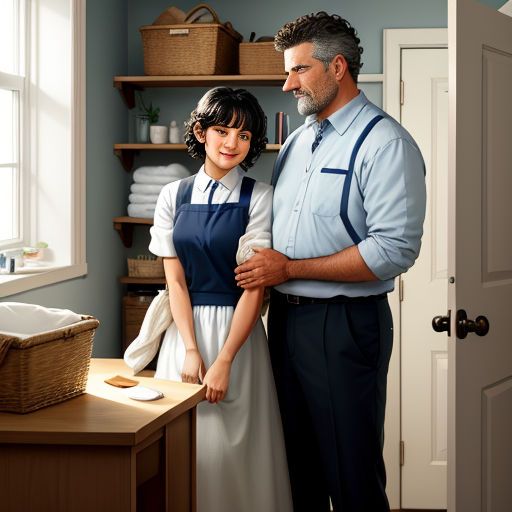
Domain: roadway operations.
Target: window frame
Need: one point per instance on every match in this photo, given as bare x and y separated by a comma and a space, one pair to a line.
15, 81
16, 283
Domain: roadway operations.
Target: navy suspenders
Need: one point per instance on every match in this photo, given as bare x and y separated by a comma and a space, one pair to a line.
278, 167
348, 178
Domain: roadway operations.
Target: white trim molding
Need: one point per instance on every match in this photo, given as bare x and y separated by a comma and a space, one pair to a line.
506, 8
393, 42
78, 127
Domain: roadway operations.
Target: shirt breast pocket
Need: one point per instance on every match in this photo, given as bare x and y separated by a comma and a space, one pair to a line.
326, 192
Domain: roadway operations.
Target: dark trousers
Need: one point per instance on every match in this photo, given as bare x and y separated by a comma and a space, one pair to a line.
330, 364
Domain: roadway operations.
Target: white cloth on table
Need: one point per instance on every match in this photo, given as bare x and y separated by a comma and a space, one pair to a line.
145, 188
241, 461
143, 198
145, 211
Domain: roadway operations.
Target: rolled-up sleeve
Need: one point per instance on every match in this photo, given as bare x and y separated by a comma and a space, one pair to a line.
258, 231
393, 187
163, 226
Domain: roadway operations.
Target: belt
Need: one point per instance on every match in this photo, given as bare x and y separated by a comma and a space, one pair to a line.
299, 300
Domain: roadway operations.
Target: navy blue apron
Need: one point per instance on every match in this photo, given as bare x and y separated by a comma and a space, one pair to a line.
206, 240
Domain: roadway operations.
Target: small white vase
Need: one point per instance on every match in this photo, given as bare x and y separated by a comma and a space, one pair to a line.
158, 134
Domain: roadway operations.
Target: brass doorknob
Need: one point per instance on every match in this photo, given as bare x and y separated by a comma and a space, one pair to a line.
480, 326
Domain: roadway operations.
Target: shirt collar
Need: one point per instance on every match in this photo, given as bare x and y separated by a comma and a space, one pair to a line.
229, 180
344, 117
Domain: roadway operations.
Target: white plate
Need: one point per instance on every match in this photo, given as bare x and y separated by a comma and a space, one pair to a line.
142, 393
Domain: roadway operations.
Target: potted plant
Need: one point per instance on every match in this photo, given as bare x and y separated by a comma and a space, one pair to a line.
146, 128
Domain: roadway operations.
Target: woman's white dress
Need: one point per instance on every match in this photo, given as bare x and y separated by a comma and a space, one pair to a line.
241, 460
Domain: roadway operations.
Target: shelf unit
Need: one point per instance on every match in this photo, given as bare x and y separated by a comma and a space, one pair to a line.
127, 85
125, 226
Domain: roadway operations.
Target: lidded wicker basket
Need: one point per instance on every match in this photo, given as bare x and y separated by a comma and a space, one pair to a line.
46, 368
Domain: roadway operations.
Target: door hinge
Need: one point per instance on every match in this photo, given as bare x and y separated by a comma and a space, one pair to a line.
402, 453
401, 92
400, 289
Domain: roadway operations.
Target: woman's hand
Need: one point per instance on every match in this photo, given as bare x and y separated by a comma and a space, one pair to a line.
217, 380
193, 369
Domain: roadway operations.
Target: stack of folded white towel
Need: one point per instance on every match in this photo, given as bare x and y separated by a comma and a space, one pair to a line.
147, 184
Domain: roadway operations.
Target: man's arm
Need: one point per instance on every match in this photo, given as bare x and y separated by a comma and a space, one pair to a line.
270, 268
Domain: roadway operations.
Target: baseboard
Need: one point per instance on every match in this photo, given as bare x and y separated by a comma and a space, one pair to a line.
418, 510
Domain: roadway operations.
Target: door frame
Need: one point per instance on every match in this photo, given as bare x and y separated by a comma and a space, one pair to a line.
393, 42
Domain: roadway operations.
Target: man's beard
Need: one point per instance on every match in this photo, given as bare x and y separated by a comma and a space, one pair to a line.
307, 105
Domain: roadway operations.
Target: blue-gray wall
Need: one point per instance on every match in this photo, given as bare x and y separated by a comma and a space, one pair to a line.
114, 48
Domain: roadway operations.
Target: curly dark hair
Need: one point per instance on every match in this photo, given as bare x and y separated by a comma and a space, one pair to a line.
330, 35
223, 106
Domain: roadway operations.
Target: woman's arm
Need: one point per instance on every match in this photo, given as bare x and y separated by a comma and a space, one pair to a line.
181, 309
246, 313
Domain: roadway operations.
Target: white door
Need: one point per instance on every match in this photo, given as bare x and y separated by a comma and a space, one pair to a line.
480, 257
424, 353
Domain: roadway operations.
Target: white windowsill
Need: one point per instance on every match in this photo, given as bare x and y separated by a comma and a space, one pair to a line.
16, 283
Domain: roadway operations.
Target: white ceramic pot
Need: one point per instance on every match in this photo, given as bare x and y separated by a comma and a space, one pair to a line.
158, 134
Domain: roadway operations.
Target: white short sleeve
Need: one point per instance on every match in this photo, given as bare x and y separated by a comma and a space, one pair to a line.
258, 231
163, 226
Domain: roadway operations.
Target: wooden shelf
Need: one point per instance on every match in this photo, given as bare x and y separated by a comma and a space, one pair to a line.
125, 227
127, 85
141, 280
127, 152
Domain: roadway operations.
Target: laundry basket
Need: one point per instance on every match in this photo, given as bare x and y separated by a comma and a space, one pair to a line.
41, 369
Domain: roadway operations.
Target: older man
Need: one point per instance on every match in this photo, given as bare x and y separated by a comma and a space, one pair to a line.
349, 205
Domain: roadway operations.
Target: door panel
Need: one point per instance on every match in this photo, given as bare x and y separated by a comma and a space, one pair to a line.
424, 357
480, 257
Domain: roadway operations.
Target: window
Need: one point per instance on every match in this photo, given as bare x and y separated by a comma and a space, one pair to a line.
12, 84
42, 138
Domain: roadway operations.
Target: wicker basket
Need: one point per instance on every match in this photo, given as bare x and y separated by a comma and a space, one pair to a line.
260, 59
190, 48
145, 268
45, 368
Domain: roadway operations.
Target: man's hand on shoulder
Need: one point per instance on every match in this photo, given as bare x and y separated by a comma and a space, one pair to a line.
266, 268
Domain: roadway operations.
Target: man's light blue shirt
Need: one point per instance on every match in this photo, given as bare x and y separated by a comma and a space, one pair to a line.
386, 198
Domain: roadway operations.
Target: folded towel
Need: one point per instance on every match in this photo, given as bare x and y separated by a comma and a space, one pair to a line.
145, 188
160, 174
175, 170
143, 348
144, 210
152, 180
143, 198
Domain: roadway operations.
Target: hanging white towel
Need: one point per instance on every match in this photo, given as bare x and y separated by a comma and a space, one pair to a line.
144, 347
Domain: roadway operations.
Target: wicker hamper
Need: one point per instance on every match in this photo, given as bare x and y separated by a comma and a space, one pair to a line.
45, 368
260, 59
190, 48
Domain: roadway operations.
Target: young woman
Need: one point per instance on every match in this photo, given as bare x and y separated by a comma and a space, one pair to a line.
217, 337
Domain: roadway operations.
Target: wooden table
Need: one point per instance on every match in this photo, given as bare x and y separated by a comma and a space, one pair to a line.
102, 451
